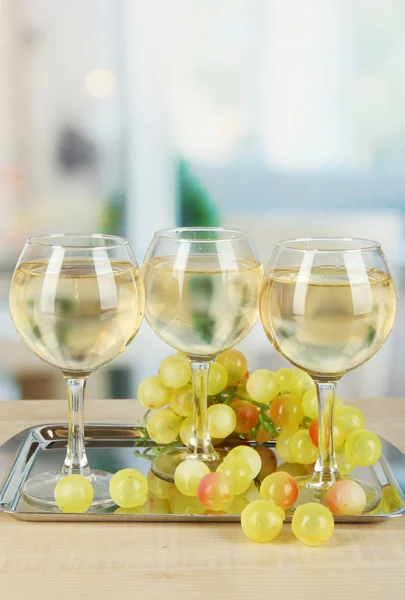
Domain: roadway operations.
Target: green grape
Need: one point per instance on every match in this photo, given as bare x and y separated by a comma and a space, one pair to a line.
293, 469
188, 475
135, 510
262, 521
363, 448
158, 506
74, 494
158, 487
262, 386
338, 436
312, 523
281, 489
235, 363
344, 465
283, 446
286, 411
239, 471
252, 493
300, 383
237, 505
310, 403
221, 420
349, 419
186, 505
301, 448
152, 393
241, 501
175, 371
164, 426
377, 511
128, 488
216, 491
284, 380
186, 430
181, 401
346, 497
391, 500
217, 379
250, 455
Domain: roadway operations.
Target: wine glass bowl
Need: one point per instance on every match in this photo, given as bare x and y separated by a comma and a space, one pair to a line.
76, 301
202, 297
327, 305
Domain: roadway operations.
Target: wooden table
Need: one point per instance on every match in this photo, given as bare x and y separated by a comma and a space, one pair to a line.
100, 561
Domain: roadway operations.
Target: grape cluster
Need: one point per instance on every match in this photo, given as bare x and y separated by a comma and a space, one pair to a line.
260, 406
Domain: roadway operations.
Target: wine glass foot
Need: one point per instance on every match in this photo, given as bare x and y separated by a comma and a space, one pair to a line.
310, 491
164, 466
39, 490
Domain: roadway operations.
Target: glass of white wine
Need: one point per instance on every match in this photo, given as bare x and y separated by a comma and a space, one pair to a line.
202, 297
76, 301
327, 305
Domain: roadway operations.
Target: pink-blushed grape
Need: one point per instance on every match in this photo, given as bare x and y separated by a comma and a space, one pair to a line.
216, 491
281, 489
346, 497
286, 411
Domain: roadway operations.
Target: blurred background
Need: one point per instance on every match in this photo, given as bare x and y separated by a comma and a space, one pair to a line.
283, 117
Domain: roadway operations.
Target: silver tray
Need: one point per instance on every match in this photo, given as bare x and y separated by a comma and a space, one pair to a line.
113, 447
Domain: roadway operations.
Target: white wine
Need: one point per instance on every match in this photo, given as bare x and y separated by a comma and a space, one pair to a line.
330, 321
202, 304
79, 313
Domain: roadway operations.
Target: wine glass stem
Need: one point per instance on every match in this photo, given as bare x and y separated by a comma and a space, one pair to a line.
200, 445
326, 470
76, 459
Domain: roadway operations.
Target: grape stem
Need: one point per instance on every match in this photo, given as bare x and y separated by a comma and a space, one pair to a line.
268, 424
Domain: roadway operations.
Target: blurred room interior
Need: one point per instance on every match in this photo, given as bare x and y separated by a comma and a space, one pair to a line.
282, 117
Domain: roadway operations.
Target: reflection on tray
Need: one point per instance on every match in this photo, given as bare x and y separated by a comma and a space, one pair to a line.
113, 447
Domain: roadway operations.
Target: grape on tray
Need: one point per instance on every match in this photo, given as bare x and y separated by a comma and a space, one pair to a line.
260, 406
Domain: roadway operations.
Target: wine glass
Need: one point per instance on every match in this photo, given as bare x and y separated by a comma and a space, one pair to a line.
202, 297
76, 301
327, 305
